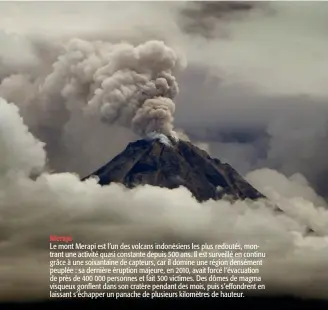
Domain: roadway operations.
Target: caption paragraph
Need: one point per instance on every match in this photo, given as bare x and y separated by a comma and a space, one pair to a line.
156, 270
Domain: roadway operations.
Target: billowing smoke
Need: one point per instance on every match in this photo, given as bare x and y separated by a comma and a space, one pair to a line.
124, 85
121, 85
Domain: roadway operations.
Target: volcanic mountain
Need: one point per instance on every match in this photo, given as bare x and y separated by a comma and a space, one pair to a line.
166, 162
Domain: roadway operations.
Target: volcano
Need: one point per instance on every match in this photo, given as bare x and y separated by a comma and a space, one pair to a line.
167, 162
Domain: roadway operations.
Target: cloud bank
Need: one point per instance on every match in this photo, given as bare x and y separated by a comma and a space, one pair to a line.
31, 210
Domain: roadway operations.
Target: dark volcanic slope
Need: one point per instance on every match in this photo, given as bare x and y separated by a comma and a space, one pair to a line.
179, 164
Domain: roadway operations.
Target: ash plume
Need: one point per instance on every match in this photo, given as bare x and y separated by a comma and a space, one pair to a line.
128, 85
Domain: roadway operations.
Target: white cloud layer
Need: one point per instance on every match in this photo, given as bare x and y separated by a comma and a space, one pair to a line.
61, 204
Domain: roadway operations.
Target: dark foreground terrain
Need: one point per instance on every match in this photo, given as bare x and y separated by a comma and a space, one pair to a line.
226, 303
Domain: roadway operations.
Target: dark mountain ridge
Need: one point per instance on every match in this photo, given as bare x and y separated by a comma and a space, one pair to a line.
165, 162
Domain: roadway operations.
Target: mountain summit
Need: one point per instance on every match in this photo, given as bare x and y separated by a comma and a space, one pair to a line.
166, 162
